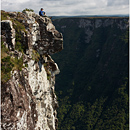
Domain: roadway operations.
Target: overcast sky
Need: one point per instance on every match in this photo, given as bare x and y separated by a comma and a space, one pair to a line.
69, 7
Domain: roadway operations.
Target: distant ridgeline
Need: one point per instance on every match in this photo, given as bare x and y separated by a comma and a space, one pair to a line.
90, 16
92, 87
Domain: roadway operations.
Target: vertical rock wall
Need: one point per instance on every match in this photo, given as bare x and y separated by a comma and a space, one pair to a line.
28, 100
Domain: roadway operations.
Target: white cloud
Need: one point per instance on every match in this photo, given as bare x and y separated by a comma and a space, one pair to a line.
69, 7
117, 2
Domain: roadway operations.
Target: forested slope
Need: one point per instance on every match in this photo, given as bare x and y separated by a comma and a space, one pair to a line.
92, 87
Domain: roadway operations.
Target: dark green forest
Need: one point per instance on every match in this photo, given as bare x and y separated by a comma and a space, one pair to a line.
92, 87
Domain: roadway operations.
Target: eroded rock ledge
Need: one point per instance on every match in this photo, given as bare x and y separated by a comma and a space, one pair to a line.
28, 100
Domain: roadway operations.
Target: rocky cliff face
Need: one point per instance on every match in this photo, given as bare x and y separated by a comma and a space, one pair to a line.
28, 100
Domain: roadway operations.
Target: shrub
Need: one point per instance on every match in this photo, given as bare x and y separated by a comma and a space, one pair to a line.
6, 67
4, 15
48, 75
19, 27
4, 50
35, 55
28, 10
18, 63
19, 46
26, 65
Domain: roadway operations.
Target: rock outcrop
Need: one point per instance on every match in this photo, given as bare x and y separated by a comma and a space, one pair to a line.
28, 100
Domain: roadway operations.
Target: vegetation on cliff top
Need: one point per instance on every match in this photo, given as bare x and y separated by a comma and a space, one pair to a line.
19, 29
26, 9
9, 63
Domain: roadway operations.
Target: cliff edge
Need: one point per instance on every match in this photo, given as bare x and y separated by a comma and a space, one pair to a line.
28, 100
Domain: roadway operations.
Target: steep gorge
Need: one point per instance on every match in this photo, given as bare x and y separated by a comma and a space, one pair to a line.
28, 100
92, 87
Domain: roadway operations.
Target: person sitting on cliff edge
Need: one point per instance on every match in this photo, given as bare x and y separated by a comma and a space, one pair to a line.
42, 13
